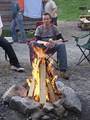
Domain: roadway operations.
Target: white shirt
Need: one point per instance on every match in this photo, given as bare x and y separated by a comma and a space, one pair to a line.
1, 24
50, 6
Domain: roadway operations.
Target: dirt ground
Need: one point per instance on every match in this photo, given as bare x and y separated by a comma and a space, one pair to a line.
79, 75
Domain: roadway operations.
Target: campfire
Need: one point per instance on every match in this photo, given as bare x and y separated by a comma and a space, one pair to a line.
42, 83
44, 95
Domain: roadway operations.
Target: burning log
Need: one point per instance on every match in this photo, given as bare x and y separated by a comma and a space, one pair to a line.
31, 85
42, 86
42, 70
50, 91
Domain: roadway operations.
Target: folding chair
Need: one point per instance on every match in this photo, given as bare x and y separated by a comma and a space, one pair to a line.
84, 48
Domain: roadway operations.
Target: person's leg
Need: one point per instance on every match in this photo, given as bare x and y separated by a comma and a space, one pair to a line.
20, 24
9, 51
62, 57
13, 30
62, 60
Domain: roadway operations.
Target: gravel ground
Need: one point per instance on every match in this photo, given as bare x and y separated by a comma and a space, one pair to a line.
79, 75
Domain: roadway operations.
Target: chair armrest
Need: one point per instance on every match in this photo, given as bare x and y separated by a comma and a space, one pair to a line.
76, 39
64, 40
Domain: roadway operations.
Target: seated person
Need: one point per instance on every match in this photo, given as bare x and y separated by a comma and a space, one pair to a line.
54, 41
10, 52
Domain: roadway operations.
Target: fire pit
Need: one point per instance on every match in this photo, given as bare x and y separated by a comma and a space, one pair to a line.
43, 96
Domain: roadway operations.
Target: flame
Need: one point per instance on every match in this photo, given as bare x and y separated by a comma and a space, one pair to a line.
28, 82
40, 52
35, 74
49, 76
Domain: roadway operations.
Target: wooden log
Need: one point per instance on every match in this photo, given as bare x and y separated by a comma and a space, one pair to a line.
42, 71
31, 83
50, 91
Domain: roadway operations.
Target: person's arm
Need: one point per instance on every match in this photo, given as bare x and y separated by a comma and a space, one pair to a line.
54, 12
38, 37
38, 33
58, 37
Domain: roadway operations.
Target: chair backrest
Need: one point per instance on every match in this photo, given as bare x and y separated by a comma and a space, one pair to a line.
85, 45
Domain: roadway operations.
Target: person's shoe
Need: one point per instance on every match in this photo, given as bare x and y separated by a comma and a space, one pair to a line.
17, 68
64, 75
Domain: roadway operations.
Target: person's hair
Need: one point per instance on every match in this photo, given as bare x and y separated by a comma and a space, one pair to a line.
46, 13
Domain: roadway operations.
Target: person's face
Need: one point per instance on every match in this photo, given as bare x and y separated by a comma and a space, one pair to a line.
46, 19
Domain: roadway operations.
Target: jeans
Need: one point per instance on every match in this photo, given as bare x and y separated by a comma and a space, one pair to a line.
9, 51
61, 55
18, 21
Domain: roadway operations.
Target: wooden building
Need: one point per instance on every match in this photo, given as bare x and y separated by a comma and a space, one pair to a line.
5, 12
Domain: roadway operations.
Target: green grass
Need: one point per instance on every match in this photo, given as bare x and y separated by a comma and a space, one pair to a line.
68, 10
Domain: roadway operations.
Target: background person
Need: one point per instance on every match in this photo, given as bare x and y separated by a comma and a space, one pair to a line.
17, 20
14, 63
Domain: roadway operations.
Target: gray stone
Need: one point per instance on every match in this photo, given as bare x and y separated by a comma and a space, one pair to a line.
46, 117
59, 84
37, 115
59, 111
14, 90
71, 100
24, 105
58, 102
48, 107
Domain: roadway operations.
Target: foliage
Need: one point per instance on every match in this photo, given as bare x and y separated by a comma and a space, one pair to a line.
7, 33
69, 9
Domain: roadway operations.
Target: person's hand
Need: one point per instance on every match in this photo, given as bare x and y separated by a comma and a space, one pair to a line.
51, 43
